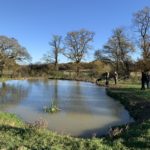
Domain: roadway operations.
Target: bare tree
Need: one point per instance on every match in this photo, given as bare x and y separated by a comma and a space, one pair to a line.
56, 47
141, 21
11, 52
47, 58
98, 55
77, 44
118, 48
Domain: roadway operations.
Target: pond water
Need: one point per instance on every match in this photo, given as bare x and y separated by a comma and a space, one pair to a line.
86, 110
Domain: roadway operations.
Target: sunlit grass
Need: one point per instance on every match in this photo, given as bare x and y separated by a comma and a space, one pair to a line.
12, 120
4, 79
21, 136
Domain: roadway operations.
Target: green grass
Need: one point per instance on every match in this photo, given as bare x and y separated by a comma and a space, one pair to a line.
3, 79
10, 119
19, 136
137, 137
14, 134
137, 102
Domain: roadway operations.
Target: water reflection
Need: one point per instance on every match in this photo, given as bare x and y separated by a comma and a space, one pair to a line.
86, 108
77, 99
12, 94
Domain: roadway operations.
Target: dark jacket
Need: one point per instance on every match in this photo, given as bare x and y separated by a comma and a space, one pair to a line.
147, 77
144, 77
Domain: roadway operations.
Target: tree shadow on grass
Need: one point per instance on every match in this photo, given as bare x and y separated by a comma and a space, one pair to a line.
15, 130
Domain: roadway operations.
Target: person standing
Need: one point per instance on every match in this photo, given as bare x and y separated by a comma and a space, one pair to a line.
107, 79
116, 77
143, 80
147, 79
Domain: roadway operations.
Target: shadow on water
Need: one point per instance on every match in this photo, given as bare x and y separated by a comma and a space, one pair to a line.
99, 132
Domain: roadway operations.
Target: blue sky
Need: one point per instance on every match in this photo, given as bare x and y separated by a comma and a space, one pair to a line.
33, 22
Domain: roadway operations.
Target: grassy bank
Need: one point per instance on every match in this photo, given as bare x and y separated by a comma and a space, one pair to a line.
137, 102
15, 134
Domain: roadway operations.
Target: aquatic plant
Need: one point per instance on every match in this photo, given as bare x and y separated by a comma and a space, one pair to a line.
53, 108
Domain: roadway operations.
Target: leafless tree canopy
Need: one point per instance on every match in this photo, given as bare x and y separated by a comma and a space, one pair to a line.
98, 55
47, 58
10, 48
142, 23
56, 46
11, 51
77, 44
118, 48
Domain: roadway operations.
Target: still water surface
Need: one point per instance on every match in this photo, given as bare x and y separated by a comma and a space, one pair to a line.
85, 108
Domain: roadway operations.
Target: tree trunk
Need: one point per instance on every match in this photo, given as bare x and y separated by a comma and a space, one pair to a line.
56, 66
117, 67
77, 68
56, 62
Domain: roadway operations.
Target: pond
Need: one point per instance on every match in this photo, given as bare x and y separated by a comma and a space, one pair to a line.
86, 110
